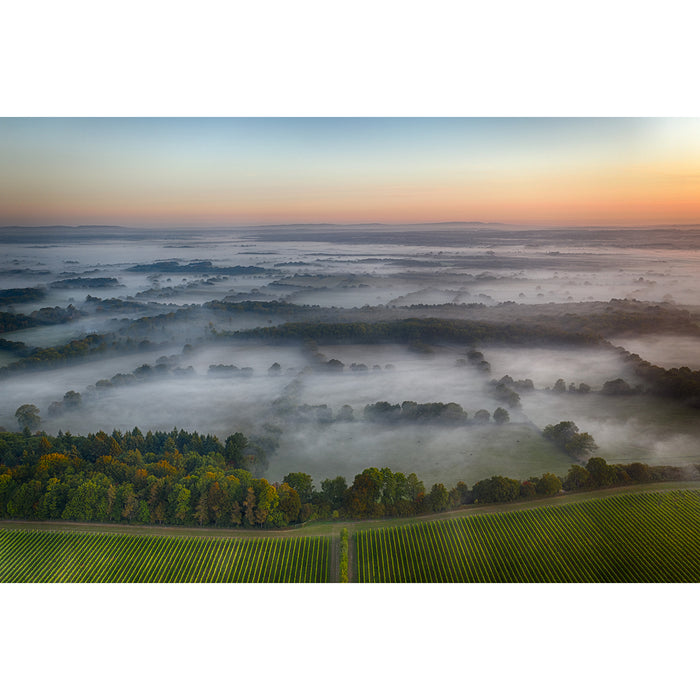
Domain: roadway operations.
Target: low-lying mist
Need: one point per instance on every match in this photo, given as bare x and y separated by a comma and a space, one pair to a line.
593, 366
664, 350
149, 293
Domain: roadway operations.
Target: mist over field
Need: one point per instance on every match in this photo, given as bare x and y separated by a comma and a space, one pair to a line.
186, 329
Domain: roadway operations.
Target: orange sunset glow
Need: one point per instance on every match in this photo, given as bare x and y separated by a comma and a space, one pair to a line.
219, 172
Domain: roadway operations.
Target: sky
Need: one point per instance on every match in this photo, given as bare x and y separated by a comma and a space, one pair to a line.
199, 172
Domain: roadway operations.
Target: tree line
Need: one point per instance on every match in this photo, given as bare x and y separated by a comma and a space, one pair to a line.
435, 412
409, 330
47, 316
679, 383
183, 478
94, 344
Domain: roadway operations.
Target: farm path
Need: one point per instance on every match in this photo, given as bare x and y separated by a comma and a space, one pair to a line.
334, 575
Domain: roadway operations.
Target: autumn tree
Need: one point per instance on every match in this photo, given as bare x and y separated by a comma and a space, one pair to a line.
201, 511
249, 506
289, 502
363, 496
217, 502
528, 488
639, 472
267, 501
129, 501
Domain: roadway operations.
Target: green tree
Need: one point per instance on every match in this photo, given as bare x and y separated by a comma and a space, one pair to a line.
24, 501
88, 501
414, 487
334, 491
72, 400
302, 484
460, 494
602, 473
501, 416
7, 486
27, 416
581, 445
438, 498
497, 489
548, 485
53, 501
234, 448
144, 513
576, 478
482, 416
560, 433
345, 413
567, 437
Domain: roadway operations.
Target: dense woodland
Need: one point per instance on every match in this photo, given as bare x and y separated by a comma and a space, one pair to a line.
181, 478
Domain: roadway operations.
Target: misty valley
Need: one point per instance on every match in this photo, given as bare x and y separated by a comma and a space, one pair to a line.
442, 351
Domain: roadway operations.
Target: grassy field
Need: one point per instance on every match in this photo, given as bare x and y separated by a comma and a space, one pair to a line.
40, 556
639, 537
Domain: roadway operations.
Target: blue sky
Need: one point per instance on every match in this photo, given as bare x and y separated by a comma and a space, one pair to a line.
245, 170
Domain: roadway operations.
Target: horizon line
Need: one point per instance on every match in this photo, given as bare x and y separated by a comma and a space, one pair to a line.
166, 227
